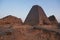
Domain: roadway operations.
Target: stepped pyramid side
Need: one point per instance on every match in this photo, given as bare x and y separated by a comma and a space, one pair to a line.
36, 16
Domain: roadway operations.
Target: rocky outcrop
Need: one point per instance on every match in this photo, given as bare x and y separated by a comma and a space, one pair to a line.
30, 33
10, 20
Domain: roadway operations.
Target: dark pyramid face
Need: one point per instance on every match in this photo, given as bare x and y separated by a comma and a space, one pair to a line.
36, 16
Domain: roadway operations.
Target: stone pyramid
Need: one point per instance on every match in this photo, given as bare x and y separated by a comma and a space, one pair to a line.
37, 16
53, 20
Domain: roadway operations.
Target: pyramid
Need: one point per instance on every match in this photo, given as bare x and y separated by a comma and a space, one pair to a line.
37, 16
53, 20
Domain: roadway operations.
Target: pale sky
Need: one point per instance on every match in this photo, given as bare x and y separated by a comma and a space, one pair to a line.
20, 8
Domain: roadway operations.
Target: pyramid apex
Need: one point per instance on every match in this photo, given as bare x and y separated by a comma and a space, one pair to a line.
36, 6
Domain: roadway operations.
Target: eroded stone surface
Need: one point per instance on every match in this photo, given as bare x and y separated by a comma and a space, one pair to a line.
10, 20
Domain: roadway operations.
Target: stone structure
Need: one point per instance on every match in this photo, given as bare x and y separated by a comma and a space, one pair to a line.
53, 20
37, 16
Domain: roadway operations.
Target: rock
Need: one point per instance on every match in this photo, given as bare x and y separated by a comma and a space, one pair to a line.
10, 20
31, 34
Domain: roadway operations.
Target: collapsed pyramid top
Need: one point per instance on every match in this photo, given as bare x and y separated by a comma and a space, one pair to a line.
36, 16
